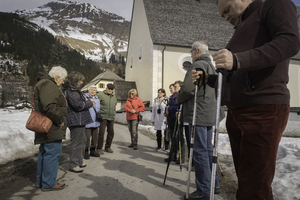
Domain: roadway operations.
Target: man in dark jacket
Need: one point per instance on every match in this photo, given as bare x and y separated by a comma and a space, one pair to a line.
108, 102
205, 120
256, 62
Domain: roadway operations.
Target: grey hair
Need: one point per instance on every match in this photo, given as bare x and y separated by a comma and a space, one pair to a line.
201, 46
92, 86
58, 71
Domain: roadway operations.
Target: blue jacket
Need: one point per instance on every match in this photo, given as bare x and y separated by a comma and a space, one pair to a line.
78, 106
173, 106
94, 124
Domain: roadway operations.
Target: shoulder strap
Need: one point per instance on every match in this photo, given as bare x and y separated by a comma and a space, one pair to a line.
132, 105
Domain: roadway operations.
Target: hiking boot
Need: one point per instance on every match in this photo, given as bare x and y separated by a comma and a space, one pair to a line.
83, 165
131, 145
196, 196
94, 153
135, 147
86, 154
100, 151
76, 169
109, 150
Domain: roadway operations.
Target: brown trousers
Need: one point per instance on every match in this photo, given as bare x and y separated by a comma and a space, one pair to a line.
254, 134
94, 133
110, 133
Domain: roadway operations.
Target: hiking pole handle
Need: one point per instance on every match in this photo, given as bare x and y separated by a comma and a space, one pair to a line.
203, 75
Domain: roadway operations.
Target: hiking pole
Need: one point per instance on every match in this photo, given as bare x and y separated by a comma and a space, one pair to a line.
179, 139
220, 168
216, 137
173, 146
192, 134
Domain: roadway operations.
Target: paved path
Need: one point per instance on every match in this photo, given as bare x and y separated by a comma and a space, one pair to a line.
125, 174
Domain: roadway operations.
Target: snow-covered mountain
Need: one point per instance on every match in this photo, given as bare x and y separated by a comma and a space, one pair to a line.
82, 26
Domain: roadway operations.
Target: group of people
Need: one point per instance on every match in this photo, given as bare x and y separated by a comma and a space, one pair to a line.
255, 68
58, 95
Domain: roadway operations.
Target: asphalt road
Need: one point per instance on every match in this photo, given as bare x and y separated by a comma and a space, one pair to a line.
126, 174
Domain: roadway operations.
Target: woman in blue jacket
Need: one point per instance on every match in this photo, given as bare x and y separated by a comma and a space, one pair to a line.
92, 128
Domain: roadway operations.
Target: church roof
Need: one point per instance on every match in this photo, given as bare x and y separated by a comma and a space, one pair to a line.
180, 23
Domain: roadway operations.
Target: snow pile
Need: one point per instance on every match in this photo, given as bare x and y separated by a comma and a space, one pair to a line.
15, 140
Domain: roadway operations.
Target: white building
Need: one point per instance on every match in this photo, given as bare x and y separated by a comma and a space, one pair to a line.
161, 35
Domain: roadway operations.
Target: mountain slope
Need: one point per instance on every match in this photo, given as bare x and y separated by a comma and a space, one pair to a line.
82, 26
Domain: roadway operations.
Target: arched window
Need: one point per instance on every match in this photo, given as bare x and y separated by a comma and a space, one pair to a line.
186, 65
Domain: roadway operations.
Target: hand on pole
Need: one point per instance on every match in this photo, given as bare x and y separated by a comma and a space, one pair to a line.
199, 75
223, 59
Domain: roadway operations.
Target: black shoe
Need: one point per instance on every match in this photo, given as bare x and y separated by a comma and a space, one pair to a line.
196, 196
217, 190
135, 147
131, 145
86, 154
94, 153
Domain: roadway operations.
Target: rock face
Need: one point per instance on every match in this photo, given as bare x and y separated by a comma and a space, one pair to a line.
82, 26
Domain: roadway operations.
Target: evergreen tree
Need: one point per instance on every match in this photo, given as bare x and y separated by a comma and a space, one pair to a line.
123, 61
104, 59
112, 58
57, 55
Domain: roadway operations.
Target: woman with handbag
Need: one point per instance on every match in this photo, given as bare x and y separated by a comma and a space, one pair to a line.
91, 130
78, 116
158, 119
50, 100
133, 106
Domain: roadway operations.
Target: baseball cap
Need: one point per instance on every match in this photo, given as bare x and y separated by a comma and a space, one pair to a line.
110, 86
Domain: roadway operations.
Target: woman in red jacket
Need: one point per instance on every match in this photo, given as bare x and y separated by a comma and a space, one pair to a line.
133, 107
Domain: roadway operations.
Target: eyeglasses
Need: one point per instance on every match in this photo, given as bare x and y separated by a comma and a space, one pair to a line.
191, 51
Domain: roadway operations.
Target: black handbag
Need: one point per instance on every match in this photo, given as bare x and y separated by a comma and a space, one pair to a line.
140, 118
98, 116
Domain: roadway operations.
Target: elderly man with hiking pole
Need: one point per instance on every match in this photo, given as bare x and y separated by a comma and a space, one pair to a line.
256, 63
204, 118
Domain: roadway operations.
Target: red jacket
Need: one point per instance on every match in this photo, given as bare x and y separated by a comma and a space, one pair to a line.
138, 106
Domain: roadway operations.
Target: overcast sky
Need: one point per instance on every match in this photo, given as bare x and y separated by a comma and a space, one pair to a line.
119, 7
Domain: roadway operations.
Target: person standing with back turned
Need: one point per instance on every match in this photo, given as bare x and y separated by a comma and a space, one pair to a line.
256, 64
